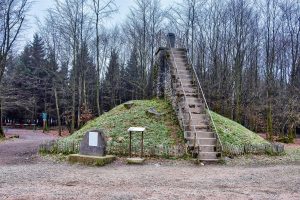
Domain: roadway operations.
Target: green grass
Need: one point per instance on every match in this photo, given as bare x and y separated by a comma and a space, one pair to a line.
163, 131
234, 133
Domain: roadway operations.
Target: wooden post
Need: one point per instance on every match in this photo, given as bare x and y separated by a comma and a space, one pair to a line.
142, 145
44, 126
130, 144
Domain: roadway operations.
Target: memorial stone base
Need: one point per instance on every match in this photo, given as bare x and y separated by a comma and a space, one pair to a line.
91, 160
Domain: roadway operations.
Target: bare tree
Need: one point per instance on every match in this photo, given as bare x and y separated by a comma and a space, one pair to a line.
12, 16
102, 10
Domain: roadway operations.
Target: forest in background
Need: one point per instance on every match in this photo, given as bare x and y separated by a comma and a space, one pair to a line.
246, 53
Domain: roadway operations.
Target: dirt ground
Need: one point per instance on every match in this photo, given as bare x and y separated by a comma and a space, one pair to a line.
25, 175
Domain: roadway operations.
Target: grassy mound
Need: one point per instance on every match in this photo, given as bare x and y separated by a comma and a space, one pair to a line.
234, 133
163, 131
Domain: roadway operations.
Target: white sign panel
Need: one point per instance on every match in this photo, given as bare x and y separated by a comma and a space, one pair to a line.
93, 139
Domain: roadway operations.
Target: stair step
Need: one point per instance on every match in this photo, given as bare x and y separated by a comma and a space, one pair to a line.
206, 141
179, 57
188, 94
199, 134
189, 85
200, 117
202, 123
178, 50
193, 111
180, 66
202, 141
209, 155
209, 160
202, 127
193, 100
207, 148
196, 122
185, 76
179, 62
186, 90
181, 52
183, 71
184, 79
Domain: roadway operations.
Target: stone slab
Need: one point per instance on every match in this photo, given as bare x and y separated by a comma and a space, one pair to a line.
91, 160
138, 161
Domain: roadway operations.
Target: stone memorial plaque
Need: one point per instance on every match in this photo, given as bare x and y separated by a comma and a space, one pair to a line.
93, 139
93, 144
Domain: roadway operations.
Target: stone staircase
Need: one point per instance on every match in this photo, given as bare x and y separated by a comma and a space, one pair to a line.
191, 108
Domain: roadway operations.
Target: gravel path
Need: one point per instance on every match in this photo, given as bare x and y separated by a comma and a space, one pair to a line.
44, 179
23, 149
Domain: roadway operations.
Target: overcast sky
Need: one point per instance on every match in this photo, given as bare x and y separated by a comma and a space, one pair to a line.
39, 10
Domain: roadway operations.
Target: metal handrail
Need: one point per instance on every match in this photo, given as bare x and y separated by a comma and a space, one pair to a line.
207, 107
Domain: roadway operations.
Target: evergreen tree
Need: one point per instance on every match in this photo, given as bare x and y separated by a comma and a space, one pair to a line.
132, 77
112, 81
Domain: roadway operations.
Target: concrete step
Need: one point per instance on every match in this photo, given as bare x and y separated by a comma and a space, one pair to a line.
206, 141
178, 50
180, 94
207, 148
179, 58
186, 90
188, 94
201, 142
194, 100
180, 66
189, 85
184, 71
185, 80
184, 76
194, 108
193, 122
209, 156
198, 127
179, 62
199, 134
200, 117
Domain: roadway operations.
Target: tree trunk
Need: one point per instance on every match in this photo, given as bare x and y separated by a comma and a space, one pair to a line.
57, 111
74, 90
269, 119
1, 126
79, 101
98, 67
